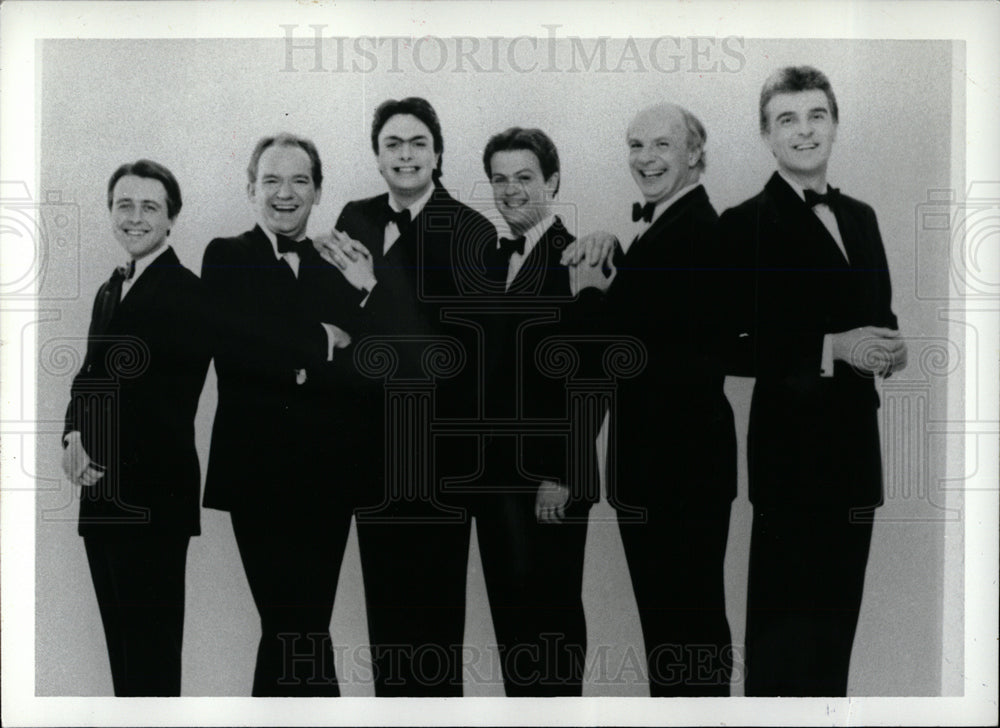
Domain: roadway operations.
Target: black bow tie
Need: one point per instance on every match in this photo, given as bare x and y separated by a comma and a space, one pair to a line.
815, 198
401, 218
124, 272
287, 245
643, 212
508, 246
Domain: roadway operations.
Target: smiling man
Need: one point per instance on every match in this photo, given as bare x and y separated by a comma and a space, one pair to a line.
820, 329
271, 464
685, 484
530, 519
410, 254
129, 435
672, 443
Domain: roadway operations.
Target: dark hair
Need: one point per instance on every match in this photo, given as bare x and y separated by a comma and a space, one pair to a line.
150, 170
535, 141
792, 79
286, 140
414, 106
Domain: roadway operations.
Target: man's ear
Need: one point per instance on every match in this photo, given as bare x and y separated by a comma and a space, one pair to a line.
694, 156
552, 185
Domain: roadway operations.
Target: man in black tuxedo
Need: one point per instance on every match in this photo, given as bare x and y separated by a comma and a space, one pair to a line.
129, 434
281, 427
531, 519
821, 328
672, 446
409, 254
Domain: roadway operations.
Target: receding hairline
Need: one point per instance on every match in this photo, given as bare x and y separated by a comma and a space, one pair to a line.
664, 109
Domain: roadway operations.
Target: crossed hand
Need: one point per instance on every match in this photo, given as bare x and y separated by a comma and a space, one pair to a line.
589, 261
351, 257
873, 349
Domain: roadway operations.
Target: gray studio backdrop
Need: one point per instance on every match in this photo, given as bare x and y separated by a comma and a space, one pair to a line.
198, 106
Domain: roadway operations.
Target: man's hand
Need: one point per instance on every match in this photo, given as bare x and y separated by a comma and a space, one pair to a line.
76, 462
349, 256
550, 502
873, 349
583, 276
594, 248
338, 337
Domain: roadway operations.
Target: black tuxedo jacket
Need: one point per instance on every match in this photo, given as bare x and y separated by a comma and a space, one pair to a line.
813, 440
134, 402
537, 306
439, 263
281, 424
673, 441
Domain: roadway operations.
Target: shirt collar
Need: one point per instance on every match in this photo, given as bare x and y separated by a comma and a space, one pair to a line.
799, 189
416, 207
662, 205
141, 264
274, 239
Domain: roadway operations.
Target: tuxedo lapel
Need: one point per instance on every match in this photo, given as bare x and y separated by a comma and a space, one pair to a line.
542, 264
795, 212
657, 232
852, 232
532, 268
146, 285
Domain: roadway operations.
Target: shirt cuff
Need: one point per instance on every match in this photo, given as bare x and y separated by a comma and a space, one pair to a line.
367, 292
826, 362
331, 339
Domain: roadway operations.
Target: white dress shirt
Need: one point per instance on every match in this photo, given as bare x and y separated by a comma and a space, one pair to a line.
391, 229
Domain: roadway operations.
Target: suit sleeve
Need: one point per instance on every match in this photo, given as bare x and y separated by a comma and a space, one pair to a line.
76, 410
247, 343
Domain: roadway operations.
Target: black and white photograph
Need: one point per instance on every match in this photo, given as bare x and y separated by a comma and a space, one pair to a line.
554, 363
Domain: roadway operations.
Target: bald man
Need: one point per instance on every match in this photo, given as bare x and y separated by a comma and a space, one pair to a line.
672, 447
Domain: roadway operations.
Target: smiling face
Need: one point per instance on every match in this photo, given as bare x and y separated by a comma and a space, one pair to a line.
520, 190
139, 216
658, 153
284, 193
800, 133
406, 157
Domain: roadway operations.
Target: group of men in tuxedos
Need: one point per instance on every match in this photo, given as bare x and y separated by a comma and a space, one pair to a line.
790, 287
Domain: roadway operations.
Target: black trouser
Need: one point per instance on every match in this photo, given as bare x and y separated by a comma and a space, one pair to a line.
414, 566
292, 561
139, 582
807, 575
534, 579
675, 558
